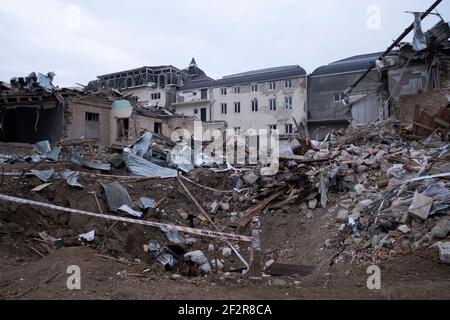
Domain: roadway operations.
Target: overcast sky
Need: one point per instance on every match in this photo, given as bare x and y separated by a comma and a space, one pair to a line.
82, 39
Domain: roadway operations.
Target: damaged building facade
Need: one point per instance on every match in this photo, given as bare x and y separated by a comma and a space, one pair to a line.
32, 110
378, 82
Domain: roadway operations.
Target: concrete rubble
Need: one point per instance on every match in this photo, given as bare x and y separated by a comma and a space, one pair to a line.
378, 192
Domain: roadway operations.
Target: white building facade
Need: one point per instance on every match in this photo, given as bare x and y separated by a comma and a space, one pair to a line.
261, 99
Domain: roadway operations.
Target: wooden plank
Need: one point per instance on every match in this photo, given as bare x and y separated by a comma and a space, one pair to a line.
251, 212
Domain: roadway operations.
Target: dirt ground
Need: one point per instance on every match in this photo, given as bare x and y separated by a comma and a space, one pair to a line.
288, 235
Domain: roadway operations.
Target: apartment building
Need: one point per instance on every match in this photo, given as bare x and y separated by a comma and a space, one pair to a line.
260, 99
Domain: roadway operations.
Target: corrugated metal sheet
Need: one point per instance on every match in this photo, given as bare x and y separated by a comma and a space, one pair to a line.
42, 147
43, 175
172, 235
71, 178
147, 203
140, 167
75, 158
116, 195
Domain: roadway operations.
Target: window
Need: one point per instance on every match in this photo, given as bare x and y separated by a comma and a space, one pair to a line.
255, 105
272, 128
288, 84
237, 89
288, 103
237, 131
255, 87
224, 108
204, 94
94, 117
338, 97
272, 85
273, 104
194, 93
122, 128
237, 107
195, 111
155, 96
289, 129
158, 128
223, 91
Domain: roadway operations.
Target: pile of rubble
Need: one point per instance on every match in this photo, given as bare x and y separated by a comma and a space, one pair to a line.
389, 196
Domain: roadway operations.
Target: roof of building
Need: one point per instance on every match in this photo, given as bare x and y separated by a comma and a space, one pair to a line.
282, 72
202, 81
351, 64
138, 69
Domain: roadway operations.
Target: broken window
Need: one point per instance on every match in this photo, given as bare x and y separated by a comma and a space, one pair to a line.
237, 107
158, 128
255, 105
224, 108
288, 103
94, 117
122, 128
273, 104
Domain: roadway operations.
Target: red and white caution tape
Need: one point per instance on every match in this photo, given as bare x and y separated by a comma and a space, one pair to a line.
199, 232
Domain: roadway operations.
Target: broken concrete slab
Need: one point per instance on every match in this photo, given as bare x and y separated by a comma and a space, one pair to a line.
441, 229
420, 206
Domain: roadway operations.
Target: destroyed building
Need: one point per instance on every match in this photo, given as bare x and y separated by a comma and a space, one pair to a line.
326, 90
381, 80
32, 110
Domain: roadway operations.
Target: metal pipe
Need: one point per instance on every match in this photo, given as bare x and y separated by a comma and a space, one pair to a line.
392, 46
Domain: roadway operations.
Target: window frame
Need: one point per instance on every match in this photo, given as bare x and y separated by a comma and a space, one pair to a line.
286, 82
255, 105
224, 107
237, 107
288, 106
274, 106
